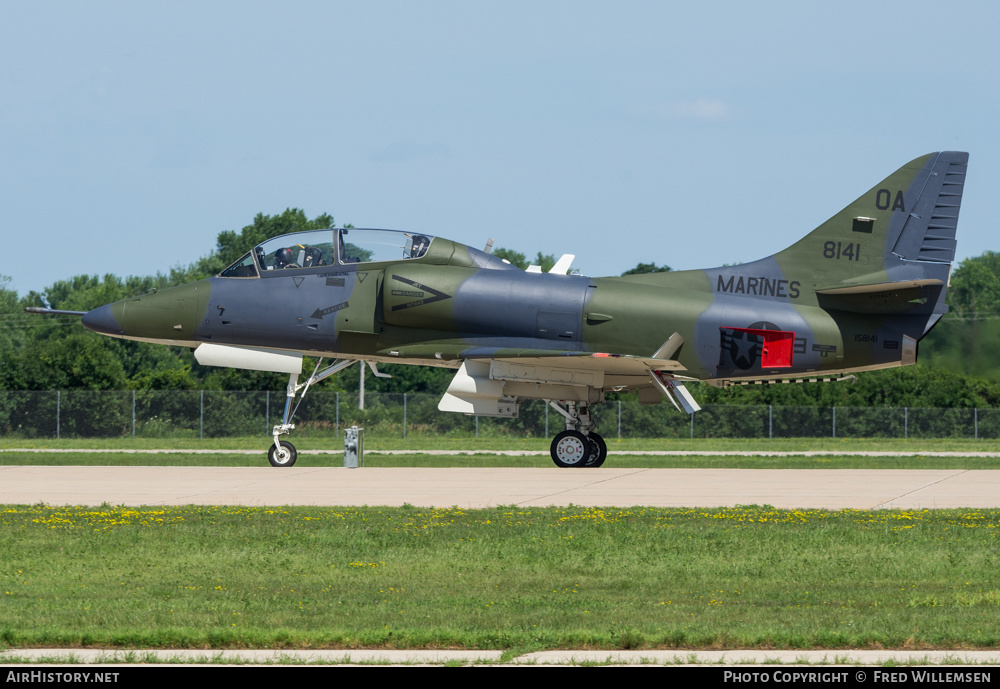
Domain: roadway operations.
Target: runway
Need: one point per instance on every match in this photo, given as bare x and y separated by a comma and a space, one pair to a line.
488, 487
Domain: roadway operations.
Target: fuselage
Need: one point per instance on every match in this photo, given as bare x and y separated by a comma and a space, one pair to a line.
451, 302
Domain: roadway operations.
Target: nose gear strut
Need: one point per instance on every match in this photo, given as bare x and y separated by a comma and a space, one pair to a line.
282, 453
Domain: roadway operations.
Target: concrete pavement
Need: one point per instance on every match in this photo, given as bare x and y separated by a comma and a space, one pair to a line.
486, 487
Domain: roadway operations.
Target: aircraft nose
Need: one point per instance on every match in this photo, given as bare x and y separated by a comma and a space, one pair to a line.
102, 320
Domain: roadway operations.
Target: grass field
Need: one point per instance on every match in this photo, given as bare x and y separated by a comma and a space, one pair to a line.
509, 578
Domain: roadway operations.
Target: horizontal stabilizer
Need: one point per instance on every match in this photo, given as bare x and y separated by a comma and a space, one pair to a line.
905, 296
879, 288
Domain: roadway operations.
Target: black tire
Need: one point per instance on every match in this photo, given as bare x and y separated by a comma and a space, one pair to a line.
598, 451
286, 458
570, 449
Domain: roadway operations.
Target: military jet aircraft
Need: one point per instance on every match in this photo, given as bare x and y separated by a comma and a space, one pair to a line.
855, 294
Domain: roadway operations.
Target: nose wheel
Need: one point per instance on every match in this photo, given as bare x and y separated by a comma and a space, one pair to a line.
282, 455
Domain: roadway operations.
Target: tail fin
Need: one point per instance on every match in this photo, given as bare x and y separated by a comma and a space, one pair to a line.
900, 231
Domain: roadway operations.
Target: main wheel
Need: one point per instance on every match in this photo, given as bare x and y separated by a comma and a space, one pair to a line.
570, 449
598, 451
284, 457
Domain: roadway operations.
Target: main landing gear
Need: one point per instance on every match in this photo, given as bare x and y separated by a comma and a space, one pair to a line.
578, 445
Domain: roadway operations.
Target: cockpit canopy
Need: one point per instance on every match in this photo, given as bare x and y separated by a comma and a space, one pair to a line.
302, 251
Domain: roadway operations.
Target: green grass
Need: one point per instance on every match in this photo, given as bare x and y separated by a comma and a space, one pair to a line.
334, 441
508, 578
484, 452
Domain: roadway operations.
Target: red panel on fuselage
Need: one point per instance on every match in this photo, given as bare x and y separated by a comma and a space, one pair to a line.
775, 348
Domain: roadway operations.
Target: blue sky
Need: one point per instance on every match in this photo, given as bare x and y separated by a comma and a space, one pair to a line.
690, 134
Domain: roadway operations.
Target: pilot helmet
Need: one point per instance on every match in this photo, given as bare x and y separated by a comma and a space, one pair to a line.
282, 257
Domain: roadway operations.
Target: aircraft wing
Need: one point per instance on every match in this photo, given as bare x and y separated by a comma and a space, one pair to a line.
609, 363
491, 380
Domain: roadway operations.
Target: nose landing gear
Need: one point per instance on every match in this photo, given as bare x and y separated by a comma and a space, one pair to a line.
282, 453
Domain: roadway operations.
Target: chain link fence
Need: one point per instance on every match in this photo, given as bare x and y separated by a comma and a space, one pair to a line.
215, 413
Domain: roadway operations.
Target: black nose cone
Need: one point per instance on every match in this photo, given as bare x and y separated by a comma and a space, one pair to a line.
102, 320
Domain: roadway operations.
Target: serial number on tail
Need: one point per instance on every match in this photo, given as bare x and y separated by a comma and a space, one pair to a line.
839, 250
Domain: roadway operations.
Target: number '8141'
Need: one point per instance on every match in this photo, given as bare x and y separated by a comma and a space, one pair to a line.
849, 251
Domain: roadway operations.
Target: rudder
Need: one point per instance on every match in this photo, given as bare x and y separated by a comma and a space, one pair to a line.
928, 231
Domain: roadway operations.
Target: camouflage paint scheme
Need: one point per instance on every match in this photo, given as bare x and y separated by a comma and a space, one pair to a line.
857, 293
